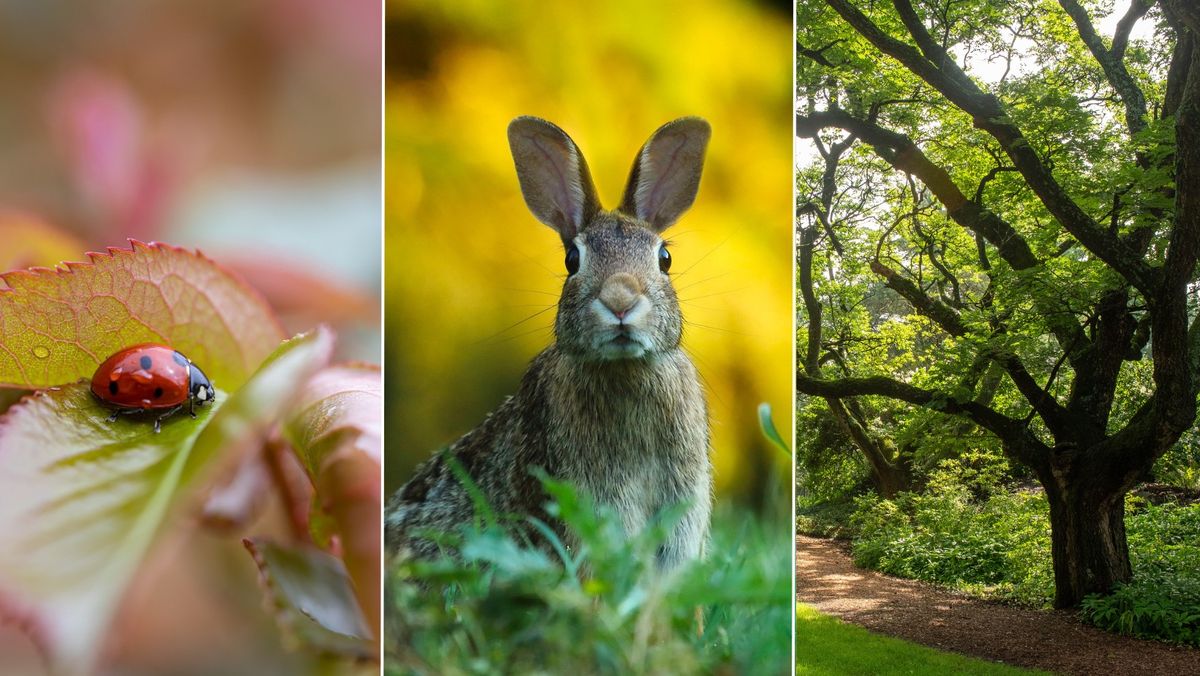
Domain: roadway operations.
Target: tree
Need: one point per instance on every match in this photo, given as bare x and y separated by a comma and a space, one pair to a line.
890, 470
1032, 189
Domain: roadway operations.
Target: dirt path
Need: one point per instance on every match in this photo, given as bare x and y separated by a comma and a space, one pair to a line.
1056, 641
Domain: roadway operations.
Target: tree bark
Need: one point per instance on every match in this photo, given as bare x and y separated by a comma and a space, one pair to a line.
1087, 536
890, 474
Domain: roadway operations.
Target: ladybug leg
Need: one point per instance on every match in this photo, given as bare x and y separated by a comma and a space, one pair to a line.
118, 412
164, 416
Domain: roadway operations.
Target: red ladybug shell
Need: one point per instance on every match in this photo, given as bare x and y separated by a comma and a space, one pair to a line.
145, 376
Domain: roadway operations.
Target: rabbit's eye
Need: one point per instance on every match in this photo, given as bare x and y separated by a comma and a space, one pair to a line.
572, 260
664, 259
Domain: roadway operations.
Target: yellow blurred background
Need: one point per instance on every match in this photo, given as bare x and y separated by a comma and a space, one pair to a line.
472, 277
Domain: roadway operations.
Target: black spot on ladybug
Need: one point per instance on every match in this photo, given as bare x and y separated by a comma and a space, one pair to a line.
145, 362
180, 359
112, 386
158, 392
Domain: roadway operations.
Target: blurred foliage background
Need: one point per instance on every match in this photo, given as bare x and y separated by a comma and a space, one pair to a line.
472, 278
247, 128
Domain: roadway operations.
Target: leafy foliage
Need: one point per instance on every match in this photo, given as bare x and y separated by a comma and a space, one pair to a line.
1163, 601
86, 499
1180, 466
1168, 610
604, 608
998, 546
56, 326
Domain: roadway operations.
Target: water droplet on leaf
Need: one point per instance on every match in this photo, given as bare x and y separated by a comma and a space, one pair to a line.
41, 352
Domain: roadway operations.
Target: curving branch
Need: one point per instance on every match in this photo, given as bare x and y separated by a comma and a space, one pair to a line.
899, 151
1011, 431
942, 314
1112, 61
1056, 417
934, 65
818, 55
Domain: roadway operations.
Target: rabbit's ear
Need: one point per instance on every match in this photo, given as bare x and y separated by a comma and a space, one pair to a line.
666, 173
554, 177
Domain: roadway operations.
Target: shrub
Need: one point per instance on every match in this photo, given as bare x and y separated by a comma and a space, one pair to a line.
824, 519
505, 607
1165, 608
1163, 601
1000, 547
1000, 544
1180, 466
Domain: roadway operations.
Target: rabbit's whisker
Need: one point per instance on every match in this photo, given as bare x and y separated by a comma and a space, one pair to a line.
700, 260
707, 279
715, 328
710, 295
712, 391
513, 326
522, 335
538, 260
544, 293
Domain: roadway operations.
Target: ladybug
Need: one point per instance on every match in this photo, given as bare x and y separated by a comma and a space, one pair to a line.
151, 377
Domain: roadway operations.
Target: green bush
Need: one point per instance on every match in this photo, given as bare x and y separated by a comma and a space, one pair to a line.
824, 519
1163, 601
944, 537
1166, 609
506, 607
998, 545
1180, 466
829, 467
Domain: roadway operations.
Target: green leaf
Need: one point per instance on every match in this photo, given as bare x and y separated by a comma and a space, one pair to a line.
768, 429
84, 499
313, 598
57, 326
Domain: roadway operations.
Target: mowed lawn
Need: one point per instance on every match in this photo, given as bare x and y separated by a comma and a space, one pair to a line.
827, 646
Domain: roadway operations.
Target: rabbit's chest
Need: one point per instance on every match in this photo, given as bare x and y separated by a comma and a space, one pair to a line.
638, 473
637, 457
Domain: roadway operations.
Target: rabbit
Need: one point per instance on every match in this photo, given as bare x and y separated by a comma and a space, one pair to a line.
615, 405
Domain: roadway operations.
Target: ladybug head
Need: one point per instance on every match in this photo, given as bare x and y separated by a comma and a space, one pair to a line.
200, 388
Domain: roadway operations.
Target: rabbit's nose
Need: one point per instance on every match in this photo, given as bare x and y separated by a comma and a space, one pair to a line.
620, 293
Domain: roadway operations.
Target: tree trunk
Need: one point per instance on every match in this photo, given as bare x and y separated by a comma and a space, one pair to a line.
1087, 534
889, 472
889, 478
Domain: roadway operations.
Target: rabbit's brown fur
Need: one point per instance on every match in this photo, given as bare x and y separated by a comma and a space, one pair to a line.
614, 406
